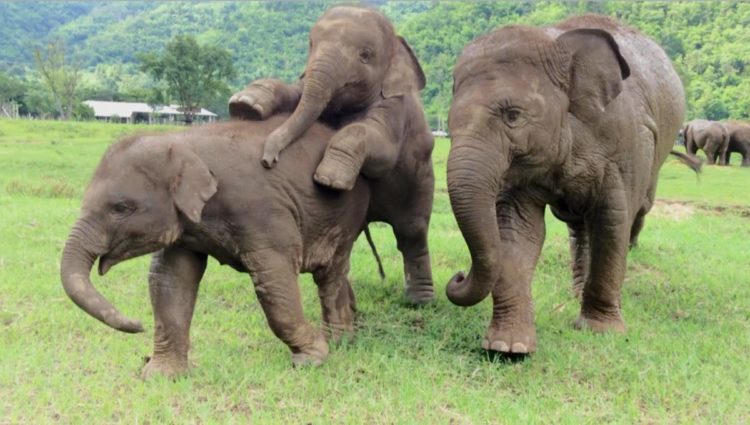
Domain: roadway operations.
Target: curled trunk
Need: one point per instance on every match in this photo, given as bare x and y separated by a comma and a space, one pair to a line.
473, 186
78, 258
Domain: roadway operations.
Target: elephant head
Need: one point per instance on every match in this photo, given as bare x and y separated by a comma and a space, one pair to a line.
355, 60
517, 92
138, 202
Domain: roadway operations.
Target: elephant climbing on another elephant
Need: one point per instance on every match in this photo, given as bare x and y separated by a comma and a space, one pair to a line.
188, 195
739, 141
579, 116
710, 136
362, 79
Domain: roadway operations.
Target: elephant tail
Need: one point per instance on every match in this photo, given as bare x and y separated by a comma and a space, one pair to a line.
375, 252
689, 160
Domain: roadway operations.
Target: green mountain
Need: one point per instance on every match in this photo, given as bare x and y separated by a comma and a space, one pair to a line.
709, 42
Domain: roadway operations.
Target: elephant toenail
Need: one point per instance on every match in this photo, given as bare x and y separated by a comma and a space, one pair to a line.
519, 348
500, 346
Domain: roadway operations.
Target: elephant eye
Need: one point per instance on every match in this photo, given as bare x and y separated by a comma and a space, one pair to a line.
123, 208
512, 117
365, 55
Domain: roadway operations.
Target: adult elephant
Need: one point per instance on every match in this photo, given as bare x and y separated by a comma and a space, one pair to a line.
579, 116
710, 136
361, 78
191, 194
739, 141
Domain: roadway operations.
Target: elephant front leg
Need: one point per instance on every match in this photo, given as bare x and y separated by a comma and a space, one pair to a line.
275, 279
608, 235
173, 287
336, 299
522, 230
411, 239
370, 145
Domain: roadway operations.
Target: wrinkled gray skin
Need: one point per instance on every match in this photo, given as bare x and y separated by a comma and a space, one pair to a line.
710, 136
360, 78
739, 141
189, 195
580, 117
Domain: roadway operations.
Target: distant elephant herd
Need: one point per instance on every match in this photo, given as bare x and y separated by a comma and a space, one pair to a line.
718, 140
578, 116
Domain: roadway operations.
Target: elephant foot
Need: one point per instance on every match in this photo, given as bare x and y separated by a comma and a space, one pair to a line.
419, 295
336, 332
343, 159
600, 324
243, 106
516, 339
312, 355
164, 366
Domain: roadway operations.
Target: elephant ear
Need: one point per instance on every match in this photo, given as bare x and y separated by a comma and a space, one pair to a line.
596, 70
193, 183
404, 72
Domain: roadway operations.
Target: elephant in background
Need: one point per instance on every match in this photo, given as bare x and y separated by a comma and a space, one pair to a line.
739, 141
710, 136
188, 195
362, 79
579, 116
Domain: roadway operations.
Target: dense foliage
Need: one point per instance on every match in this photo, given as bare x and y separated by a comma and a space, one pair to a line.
191, 73
709, 42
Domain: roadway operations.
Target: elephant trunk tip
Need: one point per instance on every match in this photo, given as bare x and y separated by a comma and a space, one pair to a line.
462, 293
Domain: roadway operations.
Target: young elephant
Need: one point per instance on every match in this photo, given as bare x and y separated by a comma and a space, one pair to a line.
580, 117
362, 79
710, 136
188, 195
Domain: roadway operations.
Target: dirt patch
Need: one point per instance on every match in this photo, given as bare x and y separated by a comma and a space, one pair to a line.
681, 210
674, 210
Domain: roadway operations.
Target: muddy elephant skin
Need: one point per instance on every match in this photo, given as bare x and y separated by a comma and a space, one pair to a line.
188, 195
709, 136
579, 116
361, 78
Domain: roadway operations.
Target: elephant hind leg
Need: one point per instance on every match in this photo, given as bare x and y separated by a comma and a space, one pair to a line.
579, 251
275, 278
336, 298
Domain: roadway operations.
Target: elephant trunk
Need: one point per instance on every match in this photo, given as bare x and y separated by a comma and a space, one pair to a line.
79, 254
319, 86
473, 185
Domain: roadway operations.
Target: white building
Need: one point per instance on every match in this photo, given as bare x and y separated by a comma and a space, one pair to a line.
133, 112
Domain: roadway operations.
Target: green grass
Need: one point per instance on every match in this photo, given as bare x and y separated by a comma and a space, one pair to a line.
684, 359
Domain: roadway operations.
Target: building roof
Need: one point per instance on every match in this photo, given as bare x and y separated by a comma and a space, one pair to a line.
127, 109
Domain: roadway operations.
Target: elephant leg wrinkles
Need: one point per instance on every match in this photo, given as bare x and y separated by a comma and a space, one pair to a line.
522, 230
580, 256
336, 298
608, 230
173, 287
275, 275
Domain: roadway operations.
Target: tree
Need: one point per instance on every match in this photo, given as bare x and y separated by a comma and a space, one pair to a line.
194, 74
61, 77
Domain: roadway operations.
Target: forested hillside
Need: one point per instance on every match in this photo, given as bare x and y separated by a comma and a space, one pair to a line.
709, 42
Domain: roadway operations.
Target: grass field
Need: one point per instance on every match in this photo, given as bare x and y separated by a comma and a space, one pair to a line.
684, 359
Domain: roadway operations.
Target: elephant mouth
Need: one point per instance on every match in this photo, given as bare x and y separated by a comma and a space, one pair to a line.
113, 258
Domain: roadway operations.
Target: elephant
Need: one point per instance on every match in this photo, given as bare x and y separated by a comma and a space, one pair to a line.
739, 141
360, 78
710, 136
188, 195
579, 116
